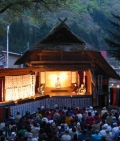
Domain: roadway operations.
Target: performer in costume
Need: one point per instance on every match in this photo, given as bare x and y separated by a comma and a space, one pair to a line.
57, 83
75, 89
82, 89
40, 89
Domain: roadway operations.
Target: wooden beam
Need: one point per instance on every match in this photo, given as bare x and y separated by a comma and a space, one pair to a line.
61, 68
59, 62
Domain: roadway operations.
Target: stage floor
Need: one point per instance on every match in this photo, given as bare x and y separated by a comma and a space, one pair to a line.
60, 94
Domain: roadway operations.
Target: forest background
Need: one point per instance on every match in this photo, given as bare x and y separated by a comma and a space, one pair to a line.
87, 18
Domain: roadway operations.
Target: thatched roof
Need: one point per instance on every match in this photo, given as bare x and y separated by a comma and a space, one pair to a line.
60, 38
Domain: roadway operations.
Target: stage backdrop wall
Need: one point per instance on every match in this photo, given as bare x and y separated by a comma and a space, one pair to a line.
64, 78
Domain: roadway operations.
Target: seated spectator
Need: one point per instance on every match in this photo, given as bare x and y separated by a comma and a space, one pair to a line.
96, 136
114, 120
103, 130
78, 127
64, 109
30, 119
113, 111
116, 135
83, 135
118, 123
79, 115
11, 117
42, 135
75, 111
65, 124
61, 131
71, 113
89, 131
83, 124
12, 123
68, 118
45, 119
22, 131
72, 124
66, 136
6, 130
38, 113
115, 129
109, 119
31, 138
35, 130
104, 116
95, 126
27, 133
102, 123
90, 110
17, 117
89, 119
54, 127
72, 132
48, 116
56, 115
12, 137
108, 136
63, 115
104, 110
97, 117
2, 125
27, 115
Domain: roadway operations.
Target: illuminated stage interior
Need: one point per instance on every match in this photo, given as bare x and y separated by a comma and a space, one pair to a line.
60, 83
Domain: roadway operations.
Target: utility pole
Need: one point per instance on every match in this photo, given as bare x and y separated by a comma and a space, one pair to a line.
7, 65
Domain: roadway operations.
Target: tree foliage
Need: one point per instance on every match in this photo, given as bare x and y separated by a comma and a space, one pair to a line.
87, 19
114, 37
10, 10
16, 7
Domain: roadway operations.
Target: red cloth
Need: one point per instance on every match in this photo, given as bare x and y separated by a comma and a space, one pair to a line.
114, 97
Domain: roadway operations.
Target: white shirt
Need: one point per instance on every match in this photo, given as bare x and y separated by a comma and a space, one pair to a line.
66, 137
79, 116
35, 131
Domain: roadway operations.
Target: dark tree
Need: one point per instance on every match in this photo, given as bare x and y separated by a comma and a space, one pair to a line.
113, 40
